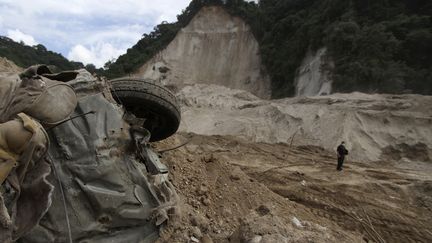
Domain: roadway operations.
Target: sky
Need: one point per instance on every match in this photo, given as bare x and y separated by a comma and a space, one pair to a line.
88, 31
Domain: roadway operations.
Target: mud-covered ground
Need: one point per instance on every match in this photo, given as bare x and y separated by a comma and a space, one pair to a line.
233, 190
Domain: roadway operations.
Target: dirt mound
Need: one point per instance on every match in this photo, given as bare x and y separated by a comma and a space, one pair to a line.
238, 191
221, 203
370, 124
8, 66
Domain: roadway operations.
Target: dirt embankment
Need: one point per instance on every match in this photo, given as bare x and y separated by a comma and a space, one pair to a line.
233, 190
374, 126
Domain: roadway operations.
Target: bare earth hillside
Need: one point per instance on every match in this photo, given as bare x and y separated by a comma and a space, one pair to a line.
314, 74
214, 48
375, 127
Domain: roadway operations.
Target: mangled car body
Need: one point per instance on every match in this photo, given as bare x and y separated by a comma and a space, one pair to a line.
86, 172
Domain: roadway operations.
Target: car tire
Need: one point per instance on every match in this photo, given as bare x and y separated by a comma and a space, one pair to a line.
145, 99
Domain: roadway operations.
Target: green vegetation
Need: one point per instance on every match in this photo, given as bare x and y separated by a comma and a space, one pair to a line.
146, 48
154, 42
376, 45
25, 56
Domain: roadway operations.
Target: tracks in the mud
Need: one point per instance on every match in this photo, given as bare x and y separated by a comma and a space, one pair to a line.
384, 201
380, 208
348, 212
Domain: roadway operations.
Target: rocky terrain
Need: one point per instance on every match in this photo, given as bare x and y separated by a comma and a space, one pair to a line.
233, 190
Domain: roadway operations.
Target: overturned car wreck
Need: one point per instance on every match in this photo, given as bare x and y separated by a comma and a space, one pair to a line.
75, 159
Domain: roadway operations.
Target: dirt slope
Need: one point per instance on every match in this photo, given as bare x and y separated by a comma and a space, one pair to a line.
375, 127
314, 74
215, 48
240, 191
223, 203
8, 66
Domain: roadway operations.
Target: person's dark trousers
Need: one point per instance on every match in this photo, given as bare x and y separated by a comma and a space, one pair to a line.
340, 162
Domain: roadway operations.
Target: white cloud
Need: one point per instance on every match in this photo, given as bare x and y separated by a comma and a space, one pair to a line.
19, 36
103, 45
97, 54
124, 8
82, 29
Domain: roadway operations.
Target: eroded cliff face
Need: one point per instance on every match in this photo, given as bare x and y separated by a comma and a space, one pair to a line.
314, 77
215, 48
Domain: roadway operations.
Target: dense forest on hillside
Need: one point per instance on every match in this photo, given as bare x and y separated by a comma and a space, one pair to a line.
377, 45
25, 56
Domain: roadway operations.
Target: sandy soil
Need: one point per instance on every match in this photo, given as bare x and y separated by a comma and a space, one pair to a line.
375, 126
233, 190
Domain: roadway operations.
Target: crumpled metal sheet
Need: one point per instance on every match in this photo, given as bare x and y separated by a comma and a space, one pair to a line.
109, 195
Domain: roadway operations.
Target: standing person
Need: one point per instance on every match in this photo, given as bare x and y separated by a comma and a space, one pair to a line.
341, 152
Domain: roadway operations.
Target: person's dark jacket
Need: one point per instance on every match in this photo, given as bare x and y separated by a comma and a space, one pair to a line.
342, 151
